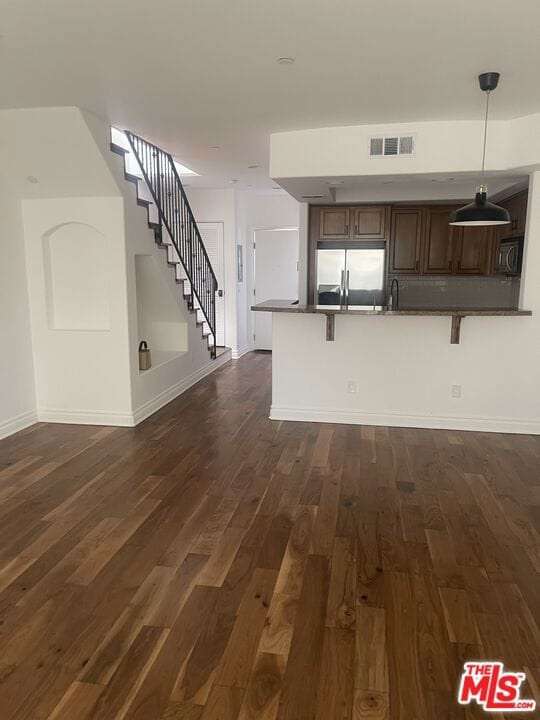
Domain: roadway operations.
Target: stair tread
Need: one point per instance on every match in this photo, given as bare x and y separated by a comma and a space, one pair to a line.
118, 149
131, 178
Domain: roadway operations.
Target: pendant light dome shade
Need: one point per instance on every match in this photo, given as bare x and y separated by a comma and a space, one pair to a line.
480, 212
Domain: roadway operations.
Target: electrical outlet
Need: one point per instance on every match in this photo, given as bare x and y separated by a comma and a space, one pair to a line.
456, 391
351, 387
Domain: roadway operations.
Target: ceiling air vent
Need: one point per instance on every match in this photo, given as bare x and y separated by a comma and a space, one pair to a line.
391, 146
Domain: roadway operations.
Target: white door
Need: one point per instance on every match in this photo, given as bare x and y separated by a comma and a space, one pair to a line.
212, 237
276, 276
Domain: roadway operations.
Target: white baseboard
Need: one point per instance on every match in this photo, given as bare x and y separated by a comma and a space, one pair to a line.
84, 417
152, 406
236, 354
19, 422
526, 426
90, 417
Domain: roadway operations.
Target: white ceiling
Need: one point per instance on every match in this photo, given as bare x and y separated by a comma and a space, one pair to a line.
191, 74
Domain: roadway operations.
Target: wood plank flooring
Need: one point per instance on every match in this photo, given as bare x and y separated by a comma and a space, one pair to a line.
213, 565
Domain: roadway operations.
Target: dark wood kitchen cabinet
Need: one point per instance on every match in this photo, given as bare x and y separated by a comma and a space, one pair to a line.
517, 207
405, 240
360, 222
371, 222
334, 223
439, 239
454, 250
418, 238
472, 251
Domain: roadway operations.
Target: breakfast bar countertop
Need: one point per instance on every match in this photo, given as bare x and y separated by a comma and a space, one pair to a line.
289, 306
457, 314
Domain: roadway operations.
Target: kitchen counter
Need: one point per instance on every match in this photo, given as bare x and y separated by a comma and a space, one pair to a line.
290, 306
457, 314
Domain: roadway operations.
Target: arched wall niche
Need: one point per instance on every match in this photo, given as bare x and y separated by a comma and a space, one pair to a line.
75, 257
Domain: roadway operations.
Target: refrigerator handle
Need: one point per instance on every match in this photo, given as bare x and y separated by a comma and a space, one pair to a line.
342, 290
347, 292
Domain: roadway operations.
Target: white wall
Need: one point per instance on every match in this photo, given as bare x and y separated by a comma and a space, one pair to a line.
404, 367
212, 206
258, 211
17, 396
81, 365
53, 146
440, 147
303, 248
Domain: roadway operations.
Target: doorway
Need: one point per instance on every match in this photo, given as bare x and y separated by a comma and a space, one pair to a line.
212, 237
275, 275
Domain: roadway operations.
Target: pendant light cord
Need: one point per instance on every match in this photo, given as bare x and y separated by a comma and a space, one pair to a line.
488, 92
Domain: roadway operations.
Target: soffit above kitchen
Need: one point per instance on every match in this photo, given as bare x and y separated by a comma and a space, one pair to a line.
432, 187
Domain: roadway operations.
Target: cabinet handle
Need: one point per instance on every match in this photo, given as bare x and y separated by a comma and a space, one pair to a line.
416, 265
449, 264
346, 229
458, 265
356, 229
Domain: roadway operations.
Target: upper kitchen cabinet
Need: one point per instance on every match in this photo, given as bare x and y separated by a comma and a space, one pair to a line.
371, 222
517, 207
334, 223
472, 250
405, 240
439, 237
365, 222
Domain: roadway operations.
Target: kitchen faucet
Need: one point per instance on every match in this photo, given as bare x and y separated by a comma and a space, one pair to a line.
394, 301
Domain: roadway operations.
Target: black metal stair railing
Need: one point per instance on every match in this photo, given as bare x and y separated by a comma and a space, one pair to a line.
176, 216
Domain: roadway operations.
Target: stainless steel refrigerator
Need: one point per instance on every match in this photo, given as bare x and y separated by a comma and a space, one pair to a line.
351, 275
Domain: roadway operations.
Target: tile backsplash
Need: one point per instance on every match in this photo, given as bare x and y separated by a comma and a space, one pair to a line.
439, 292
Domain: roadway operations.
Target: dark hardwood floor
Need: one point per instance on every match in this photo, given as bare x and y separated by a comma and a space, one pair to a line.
212, 565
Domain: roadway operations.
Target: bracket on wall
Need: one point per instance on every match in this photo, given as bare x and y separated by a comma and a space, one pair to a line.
330, 326
456, 329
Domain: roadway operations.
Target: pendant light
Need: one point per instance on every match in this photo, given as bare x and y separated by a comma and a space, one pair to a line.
481, 211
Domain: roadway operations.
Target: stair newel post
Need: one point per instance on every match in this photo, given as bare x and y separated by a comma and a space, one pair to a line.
213, 313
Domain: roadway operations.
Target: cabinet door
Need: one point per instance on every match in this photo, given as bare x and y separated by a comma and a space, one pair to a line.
370, 222
438, 242
405, 240
512, 205
472, 251
334, 223
517, 207
521, 212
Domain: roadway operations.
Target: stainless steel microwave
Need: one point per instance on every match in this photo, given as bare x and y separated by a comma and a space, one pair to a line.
510, 256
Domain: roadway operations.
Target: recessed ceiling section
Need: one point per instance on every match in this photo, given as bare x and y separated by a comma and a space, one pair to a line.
398, 188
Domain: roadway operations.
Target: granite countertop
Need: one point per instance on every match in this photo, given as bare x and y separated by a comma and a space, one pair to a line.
288, 306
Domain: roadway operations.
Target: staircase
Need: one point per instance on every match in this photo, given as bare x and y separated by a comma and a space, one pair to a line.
160, 191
